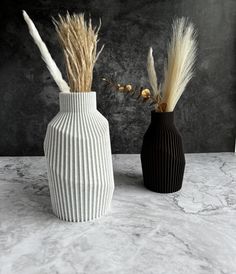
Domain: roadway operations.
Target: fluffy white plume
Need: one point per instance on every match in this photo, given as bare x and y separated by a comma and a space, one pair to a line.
51, 65
181, 58
152, 73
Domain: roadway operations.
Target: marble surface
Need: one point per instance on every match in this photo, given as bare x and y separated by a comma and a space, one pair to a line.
191, 231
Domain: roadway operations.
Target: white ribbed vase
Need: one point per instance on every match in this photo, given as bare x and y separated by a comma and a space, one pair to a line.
78, 152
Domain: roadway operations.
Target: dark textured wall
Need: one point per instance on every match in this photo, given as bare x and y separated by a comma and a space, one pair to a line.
205, 115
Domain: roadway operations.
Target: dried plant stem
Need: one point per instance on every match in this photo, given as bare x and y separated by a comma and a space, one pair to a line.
79, 42
51, 65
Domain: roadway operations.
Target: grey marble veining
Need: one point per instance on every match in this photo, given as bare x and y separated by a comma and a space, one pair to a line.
191, 231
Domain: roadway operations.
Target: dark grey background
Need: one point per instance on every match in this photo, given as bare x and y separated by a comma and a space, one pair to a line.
205, 115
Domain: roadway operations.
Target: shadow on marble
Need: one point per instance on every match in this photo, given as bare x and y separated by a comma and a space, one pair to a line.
134, 180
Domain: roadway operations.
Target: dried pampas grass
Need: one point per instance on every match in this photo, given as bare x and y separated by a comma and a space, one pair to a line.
79, 40
51, 65
152, 73
179, 68
181, 58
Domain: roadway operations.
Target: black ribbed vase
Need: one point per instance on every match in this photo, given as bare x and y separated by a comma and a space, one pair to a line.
162, 154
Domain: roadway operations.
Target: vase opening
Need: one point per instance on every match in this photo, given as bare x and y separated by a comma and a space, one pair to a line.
162, 117
78, 101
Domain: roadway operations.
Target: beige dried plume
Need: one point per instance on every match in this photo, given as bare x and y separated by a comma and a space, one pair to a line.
46, 56
152, 73
181, 58
79, 40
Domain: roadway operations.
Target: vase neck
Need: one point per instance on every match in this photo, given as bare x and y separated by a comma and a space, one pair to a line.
166, 118
78, 102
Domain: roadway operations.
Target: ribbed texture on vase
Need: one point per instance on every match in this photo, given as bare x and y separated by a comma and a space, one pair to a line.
78, 152
78, 101
162, 155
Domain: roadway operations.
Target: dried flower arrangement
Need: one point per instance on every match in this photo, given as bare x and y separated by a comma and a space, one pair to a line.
78, 40
177, 72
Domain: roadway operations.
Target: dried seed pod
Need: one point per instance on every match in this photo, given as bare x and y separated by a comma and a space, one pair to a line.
145, 93
121, 88
128, 88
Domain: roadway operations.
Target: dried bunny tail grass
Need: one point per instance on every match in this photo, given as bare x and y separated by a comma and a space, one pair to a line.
79, 40
152, 73
47, 58
181, 58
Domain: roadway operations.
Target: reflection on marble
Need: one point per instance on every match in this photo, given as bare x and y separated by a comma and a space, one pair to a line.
191, 231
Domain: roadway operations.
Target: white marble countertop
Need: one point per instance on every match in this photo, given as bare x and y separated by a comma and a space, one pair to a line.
191, 231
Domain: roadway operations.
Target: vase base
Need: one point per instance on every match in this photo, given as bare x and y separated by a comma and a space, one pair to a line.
163, 191
82, 220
